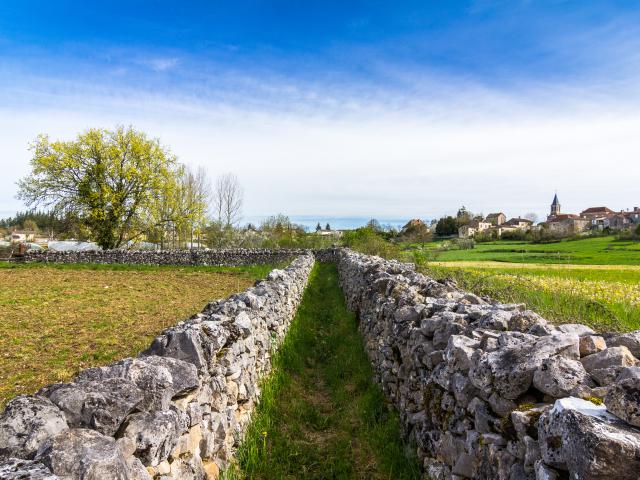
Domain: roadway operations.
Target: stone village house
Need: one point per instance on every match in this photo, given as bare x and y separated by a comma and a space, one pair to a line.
558, 223
593, 218
494, 222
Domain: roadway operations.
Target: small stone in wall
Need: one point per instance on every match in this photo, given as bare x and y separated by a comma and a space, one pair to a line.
611, 357
576, 329
26, 424
558, 376
154, 434
18, 469
590, 344
583, 438
623, 400
630, 340
102, 406
86, 454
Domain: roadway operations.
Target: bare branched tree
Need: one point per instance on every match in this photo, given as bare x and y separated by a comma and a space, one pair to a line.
227, 200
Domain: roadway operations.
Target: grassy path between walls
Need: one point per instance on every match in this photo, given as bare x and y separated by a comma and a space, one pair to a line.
321, 415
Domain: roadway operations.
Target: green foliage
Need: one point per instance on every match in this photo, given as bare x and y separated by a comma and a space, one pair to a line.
463, 217
418, 233
370, 241
320, 414
374, 225
446, 226
518, 234
46, 221
112, 180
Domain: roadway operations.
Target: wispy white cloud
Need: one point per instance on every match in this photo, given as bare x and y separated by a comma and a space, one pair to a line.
421, 143
160, 64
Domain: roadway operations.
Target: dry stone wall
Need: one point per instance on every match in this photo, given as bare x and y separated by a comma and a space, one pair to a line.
494, 391
177, 411
222, 257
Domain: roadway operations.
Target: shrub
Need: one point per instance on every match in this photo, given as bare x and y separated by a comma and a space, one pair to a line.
367, 240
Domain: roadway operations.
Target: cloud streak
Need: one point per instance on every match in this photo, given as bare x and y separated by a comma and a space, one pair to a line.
408, 141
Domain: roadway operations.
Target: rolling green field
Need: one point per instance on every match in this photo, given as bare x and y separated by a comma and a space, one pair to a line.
588, 251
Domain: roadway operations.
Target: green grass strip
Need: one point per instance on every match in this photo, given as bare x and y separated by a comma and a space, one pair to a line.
321, 415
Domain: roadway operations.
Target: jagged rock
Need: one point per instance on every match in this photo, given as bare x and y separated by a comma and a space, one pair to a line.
155, 434
18, 469
184, 342
526, 321
84, 454
576, 329
509, 371
532, 453
158, 378
464, 466
525, 421
484, 421
583, 438
558, 376
459, 352
102, 406
514, 339
445, 330
495, 320
630, 340
605, 376
590, 344
544, 472
629, 372
243, 323
623, 400
407, 314
26, 423
612, 357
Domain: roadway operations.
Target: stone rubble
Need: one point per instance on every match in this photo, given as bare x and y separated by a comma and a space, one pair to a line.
493, 391
177, 411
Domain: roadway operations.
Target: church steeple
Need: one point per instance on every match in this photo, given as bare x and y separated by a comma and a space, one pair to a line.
555, 206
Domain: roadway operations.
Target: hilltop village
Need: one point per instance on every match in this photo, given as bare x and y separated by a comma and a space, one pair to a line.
557, 223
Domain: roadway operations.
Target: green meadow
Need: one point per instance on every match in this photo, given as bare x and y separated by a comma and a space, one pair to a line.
586, 251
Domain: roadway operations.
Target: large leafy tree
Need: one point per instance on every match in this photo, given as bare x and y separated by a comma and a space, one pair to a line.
110, 180
446, 226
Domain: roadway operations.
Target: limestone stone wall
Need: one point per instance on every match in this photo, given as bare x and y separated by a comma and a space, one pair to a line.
493, 391
225, 257
177, 411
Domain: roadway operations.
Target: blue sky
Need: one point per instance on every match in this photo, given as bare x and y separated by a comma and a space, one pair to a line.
343, 108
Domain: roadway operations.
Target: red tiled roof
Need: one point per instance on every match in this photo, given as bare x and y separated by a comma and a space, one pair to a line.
597, 210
